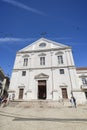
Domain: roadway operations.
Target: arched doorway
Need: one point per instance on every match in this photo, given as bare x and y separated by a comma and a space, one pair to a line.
42, 94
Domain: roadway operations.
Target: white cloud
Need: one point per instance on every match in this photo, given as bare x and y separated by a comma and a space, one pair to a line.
6, 43
23, 6
11, 39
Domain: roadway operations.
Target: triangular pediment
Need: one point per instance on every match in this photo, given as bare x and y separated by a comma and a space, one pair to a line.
41, 75
43, 44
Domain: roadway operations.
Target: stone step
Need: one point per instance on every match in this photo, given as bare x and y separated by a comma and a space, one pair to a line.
13, 103
39, 104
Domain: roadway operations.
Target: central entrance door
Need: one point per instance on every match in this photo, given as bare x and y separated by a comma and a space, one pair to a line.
42, 89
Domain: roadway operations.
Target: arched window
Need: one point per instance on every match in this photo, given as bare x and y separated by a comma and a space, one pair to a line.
42, 60
25, 57
25, 63
60, 57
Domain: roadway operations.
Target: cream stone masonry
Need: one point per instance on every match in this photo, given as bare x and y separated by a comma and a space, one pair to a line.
45, 70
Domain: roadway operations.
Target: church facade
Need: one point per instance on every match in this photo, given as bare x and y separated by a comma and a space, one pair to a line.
45, 70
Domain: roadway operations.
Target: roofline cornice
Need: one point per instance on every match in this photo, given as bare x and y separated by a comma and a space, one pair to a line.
43, 50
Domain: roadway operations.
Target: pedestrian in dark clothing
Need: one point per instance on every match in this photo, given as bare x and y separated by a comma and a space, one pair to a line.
4, 101
73, 101
0, 100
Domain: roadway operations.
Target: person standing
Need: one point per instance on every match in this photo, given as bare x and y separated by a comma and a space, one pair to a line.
73, 101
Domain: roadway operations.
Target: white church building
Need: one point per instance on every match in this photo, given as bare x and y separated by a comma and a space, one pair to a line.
45, 70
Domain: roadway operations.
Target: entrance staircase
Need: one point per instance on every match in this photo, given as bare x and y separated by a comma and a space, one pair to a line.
39, 104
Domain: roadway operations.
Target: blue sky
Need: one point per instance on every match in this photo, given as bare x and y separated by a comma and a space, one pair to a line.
23, 21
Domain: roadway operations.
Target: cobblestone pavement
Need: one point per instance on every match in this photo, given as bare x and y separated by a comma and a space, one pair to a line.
64, 118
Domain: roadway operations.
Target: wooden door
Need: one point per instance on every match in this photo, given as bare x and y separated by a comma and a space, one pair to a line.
42, 89
21, 90
64, 93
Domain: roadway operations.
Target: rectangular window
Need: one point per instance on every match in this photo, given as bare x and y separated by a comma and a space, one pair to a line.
60, 59
61, 71
23, 73
84, 81
25, 62
42, 60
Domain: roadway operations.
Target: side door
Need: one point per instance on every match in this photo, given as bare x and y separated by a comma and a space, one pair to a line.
21, 90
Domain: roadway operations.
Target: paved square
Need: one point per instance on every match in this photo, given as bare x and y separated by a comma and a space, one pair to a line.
62, 118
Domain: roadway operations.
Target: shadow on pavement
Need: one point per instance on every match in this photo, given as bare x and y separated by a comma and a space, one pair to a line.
68, 120
51, 119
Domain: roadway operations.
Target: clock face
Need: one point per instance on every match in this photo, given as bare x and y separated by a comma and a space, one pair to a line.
42, 44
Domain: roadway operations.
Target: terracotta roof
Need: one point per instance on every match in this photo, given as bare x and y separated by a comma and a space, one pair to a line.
81, 68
